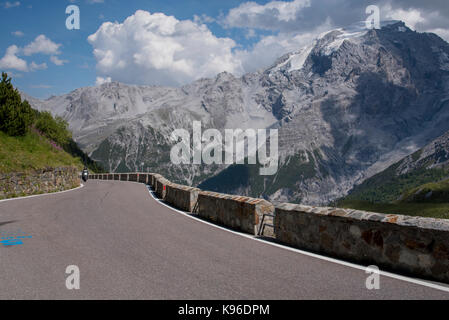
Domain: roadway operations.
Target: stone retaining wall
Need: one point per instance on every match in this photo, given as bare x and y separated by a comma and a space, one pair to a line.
240, 213
161, 186
181, 197
47, 180
415, 245
154, 178
143, 178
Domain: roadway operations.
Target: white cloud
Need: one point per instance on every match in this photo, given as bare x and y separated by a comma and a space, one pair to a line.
298, 22
420, 19
159, 49
42, 45
11, 61
12, 4
101, 80
203, 19
273, 15
265, 52
443, 33
34, 66
411, 17
57, 61
18, 33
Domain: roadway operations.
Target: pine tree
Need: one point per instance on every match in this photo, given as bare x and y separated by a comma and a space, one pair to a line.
15, 116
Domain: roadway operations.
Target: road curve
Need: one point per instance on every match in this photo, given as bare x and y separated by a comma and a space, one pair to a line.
129, 246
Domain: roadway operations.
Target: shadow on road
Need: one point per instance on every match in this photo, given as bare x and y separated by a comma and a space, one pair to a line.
7, 222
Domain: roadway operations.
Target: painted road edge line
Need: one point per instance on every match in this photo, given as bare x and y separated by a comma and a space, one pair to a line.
310, 254
42, 195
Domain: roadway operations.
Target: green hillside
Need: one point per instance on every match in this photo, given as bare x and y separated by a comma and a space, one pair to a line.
429, 209
386, 186
434, 192
403, 194
30, 152
423, 190
31, 140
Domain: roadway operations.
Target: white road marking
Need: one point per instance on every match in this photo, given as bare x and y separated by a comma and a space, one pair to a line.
41, 195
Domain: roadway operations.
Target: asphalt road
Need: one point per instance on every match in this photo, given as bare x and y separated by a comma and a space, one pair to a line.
129, 246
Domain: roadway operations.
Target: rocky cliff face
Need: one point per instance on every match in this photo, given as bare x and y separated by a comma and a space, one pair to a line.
409, 179
346, 107
433, 156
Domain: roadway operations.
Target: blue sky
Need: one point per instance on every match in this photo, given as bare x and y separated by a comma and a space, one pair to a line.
48, 17
172, 42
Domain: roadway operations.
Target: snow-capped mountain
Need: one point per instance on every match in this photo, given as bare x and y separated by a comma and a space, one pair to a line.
346, 107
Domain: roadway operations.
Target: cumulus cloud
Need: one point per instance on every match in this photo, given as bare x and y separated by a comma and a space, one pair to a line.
420, 16
306, 15
11, 61
269, 48
34, 66
203, 19
42, 45
296, 23
273, 15
101, 80
57, 61
159, 49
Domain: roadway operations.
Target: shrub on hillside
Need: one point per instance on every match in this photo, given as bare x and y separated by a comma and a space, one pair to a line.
55, 129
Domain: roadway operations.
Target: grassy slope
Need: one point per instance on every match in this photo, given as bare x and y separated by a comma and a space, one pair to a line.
426, 200
30, 152
404, 194
435, 192
388, 187
432, 210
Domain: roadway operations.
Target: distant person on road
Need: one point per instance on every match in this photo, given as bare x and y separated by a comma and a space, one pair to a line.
85, 174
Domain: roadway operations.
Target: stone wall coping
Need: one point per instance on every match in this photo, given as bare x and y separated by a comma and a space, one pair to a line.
183, 187
400, 220
252, 201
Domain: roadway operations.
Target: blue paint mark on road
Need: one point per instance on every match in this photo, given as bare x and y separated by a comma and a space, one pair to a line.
13, 238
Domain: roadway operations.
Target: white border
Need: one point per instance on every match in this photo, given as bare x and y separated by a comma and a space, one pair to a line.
314, 255
43, 194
